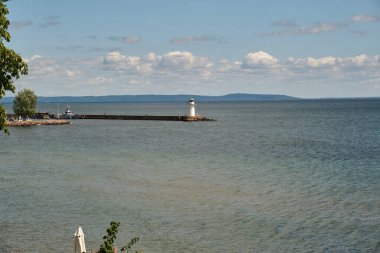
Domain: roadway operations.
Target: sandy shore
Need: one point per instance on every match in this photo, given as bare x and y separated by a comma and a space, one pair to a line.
37, 123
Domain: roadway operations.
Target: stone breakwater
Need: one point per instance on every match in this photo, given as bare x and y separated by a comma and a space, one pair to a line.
36, 123
146, 117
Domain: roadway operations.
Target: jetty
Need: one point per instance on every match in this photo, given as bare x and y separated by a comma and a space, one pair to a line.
45, 118
192, 116
146, 117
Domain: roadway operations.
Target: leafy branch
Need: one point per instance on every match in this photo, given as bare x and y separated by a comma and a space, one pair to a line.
108, 240
129, 245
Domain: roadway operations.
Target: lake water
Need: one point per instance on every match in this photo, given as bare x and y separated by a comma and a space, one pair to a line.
295, 176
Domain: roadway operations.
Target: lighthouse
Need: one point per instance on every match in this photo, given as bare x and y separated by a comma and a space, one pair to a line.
191, 104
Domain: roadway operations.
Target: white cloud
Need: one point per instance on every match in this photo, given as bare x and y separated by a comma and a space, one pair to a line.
177, 59
259, 59
132, 40
126, 39
293, 29
290, 28
360, 61
183, 60
335, 75
321, 62
138, 64
151, 57
50, 21
39, 65
365, 18
128, 64
284, 23
113, 57
197, 38
34, 57
169, 63
321, 27
340, 62
21, 24
100, 80
41, 68
71, 74
227, 66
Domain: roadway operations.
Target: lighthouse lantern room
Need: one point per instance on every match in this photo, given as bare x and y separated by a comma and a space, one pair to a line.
191, 104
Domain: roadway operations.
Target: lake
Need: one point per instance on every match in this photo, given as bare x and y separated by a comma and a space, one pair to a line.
284, 176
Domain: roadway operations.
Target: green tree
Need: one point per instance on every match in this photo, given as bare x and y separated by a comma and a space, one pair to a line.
25, 103
11, 64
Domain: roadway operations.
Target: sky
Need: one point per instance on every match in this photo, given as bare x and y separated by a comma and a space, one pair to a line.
302, 48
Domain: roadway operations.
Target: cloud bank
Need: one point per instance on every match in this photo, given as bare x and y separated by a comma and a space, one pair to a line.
184, 72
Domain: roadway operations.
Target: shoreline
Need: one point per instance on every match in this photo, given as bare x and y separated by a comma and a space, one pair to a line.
37, 123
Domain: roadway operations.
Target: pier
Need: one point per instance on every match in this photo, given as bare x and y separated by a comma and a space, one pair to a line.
69, 115
146, 117
48, 119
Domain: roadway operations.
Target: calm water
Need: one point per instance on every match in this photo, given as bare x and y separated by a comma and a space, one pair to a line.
301, 176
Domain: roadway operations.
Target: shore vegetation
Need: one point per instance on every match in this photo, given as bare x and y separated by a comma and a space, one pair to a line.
11, 64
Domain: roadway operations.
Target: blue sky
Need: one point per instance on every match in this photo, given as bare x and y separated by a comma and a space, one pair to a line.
304, 48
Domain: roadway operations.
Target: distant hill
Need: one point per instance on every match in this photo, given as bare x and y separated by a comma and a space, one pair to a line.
157, 98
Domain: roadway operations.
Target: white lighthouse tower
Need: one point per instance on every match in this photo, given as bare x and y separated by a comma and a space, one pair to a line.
191, 104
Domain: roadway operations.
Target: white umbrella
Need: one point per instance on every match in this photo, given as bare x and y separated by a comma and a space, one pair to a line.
79, 241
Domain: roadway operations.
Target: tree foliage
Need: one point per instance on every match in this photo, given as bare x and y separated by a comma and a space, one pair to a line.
127, 248
11, 64
25, 103
108, 240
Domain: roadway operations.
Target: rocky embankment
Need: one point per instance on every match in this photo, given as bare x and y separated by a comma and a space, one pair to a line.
48, 122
